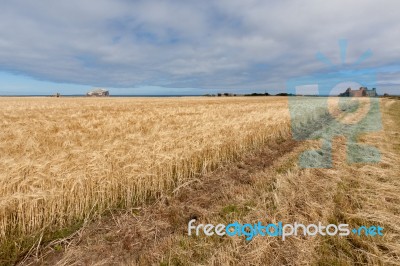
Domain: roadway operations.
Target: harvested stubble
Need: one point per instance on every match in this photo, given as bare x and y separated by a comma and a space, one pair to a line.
62, 158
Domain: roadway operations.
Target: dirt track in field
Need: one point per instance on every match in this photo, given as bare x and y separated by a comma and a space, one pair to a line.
145, 236
267, 186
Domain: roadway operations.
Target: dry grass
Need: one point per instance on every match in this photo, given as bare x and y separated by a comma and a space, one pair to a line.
64, 158
265, 185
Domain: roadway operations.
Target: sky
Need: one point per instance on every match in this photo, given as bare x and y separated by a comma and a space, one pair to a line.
192, 47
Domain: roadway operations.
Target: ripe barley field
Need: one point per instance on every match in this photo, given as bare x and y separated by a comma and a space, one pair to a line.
65, 159
266, 185
76, 163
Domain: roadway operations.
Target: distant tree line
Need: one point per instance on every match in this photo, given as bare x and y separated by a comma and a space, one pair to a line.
249, 94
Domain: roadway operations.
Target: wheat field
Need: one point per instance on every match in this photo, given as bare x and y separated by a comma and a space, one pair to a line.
63, 159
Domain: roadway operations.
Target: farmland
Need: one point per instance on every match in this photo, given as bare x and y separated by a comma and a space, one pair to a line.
67, 160
63, 158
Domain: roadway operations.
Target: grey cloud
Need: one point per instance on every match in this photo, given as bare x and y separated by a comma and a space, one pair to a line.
203, 44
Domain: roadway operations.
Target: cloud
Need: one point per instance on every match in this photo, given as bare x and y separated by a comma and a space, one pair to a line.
191, 44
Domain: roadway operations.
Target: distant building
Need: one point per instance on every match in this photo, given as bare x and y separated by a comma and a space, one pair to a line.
98, 93
362, 92
225, 94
